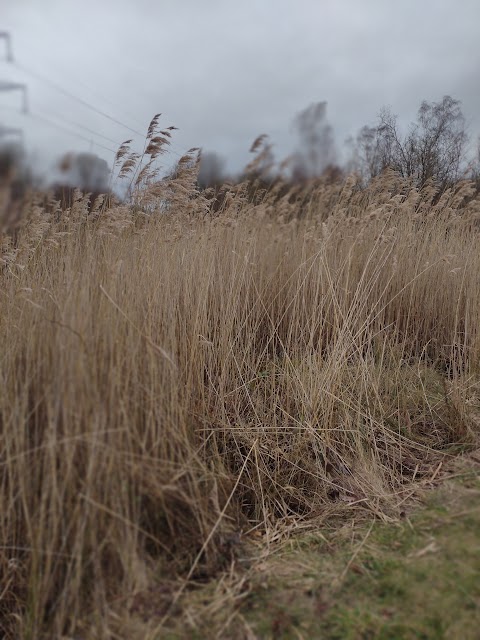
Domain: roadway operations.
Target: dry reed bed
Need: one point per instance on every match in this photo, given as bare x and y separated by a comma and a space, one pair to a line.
167, 381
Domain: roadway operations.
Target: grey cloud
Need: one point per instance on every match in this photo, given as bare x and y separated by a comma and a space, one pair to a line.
224, 71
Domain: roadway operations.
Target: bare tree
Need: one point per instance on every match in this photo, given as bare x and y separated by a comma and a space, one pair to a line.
317, 145
212, 170
86, 171
432, 149
442, 140
16, 180
370, 157
475, 167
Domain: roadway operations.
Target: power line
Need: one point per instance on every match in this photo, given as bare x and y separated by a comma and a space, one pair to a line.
53, 124
94, 91
77, 99
107, 100
6, 85
72, 96
48, 120
81, 126
90, 106
9, 131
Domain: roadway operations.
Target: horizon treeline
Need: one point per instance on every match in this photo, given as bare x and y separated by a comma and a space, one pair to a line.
435, 147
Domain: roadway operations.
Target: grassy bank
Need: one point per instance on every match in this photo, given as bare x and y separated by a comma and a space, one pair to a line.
356, 578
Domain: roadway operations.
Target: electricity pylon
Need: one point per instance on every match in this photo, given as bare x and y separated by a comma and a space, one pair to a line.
8, 45
7, 85
10, 131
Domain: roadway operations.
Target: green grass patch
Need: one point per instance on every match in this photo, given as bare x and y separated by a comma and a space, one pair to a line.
416, 579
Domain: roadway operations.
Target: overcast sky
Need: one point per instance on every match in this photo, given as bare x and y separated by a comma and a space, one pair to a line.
225, 71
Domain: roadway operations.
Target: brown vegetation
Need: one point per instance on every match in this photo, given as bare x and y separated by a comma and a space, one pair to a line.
171, 383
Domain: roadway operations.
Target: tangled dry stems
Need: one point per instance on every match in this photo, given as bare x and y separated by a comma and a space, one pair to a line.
171, 381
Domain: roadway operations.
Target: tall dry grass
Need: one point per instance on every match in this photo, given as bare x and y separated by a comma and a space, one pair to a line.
170, 383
